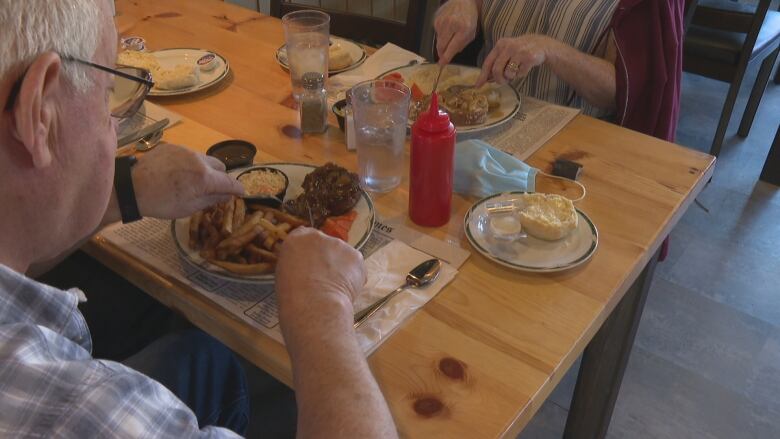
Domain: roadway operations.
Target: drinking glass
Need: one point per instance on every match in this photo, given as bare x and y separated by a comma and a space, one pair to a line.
307, 37
380, 109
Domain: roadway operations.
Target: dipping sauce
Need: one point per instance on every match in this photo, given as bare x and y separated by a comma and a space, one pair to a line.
207, 62
263, 182
233, 153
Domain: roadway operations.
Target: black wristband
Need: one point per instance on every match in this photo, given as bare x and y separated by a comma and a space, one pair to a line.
125, 194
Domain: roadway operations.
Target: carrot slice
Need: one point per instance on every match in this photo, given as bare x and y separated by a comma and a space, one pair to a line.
338, 226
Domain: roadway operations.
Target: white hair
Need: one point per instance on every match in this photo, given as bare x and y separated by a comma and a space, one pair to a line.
29, 28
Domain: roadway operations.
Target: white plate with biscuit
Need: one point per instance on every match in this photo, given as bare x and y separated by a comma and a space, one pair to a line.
343, 55
503, 106
177, 71
526, 252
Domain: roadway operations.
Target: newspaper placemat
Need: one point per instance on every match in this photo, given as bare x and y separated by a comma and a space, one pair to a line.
536, 123
388, 260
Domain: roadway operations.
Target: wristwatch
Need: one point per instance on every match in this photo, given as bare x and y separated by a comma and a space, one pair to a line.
125, 194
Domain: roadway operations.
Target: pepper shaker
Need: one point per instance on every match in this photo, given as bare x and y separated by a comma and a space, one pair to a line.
313, 105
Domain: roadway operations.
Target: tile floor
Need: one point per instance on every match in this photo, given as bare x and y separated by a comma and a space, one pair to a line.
706, 361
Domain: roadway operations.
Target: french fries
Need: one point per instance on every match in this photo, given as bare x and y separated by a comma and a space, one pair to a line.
232, 238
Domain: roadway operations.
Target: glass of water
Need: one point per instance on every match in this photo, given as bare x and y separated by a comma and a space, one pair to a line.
307, 37
380, 110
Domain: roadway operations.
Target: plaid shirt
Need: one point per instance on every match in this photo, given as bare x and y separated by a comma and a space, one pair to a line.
50, 386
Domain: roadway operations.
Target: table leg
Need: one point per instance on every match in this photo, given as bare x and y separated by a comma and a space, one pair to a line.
771, 171
604, 362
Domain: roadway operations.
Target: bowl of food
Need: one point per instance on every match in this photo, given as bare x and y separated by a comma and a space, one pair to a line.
233, 153
264, 186
340, 110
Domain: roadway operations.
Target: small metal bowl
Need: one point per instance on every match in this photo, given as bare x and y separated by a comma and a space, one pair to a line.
275, 200
338, 109
233, 153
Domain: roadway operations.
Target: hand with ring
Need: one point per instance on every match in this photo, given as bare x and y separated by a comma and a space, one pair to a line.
514, 57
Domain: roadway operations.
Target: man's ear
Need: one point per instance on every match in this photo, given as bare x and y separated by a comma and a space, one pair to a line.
34, 111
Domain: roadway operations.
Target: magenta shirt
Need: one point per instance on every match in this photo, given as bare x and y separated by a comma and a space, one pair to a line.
649, 38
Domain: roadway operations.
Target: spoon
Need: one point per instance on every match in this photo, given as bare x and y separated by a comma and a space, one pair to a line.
148, 142
419, 277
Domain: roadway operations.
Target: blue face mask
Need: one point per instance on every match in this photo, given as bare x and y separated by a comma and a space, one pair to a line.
481, 170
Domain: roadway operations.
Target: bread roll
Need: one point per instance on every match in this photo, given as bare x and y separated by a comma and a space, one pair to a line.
181, 76
338, 57
548, 216
141, 60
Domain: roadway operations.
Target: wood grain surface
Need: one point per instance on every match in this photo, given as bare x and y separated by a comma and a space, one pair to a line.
480, 359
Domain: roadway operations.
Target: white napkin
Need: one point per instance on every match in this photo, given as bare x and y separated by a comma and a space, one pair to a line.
386, 58
387, 269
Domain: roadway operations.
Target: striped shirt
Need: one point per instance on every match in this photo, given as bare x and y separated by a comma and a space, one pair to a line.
581, 24
50, 386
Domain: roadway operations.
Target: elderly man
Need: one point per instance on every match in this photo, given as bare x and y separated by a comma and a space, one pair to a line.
57, 144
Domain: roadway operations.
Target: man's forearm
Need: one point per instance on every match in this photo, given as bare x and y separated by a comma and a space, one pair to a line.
337, 394
591, 77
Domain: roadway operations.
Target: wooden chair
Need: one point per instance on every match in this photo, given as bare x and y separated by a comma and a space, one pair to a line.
725, 39
771, 171
373, 31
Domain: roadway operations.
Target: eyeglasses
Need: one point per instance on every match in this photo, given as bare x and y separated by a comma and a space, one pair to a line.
131, 85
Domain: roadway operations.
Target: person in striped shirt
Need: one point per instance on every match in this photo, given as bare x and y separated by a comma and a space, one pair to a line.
618, 60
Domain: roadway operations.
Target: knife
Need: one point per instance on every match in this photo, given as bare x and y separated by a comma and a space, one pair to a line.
143, 132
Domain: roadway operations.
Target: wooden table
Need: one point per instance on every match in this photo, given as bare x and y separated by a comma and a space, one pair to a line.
481, 358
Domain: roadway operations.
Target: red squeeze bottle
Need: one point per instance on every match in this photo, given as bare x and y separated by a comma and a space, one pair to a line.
432, 167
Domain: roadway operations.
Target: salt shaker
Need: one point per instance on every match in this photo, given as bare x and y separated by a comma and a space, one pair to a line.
313, 104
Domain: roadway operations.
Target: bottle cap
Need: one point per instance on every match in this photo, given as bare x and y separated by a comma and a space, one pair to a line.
312, 80
434, 120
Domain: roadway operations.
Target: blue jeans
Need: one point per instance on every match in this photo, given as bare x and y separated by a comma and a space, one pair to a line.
203, 373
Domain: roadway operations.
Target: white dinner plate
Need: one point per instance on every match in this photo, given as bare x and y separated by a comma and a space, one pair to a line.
356, 52
170, 58
507, 109
529, 253
358, 234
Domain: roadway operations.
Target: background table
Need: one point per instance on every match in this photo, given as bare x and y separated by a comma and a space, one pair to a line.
481, 358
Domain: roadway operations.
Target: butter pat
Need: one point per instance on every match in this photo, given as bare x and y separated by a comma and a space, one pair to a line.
505, 226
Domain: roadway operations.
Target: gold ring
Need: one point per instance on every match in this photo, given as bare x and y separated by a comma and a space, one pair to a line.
512, 66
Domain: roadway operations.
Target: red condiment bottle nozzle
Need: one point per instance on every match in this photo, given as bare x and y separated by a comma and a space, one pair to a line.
434, 120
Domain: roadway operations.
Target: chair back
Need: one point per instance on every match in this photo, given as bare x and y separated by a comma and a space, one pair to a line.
731, 16
401, 21
690, 11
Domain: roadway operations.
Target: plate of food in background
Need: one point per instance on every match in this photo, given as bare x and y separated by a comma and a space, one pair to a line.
178, 71
343, 55
471, 109
239, 240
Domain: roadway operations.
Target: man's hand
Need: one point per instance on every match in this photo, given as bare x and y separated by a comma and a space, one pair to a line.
514, 57
317, 276
173, 182
456, 26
